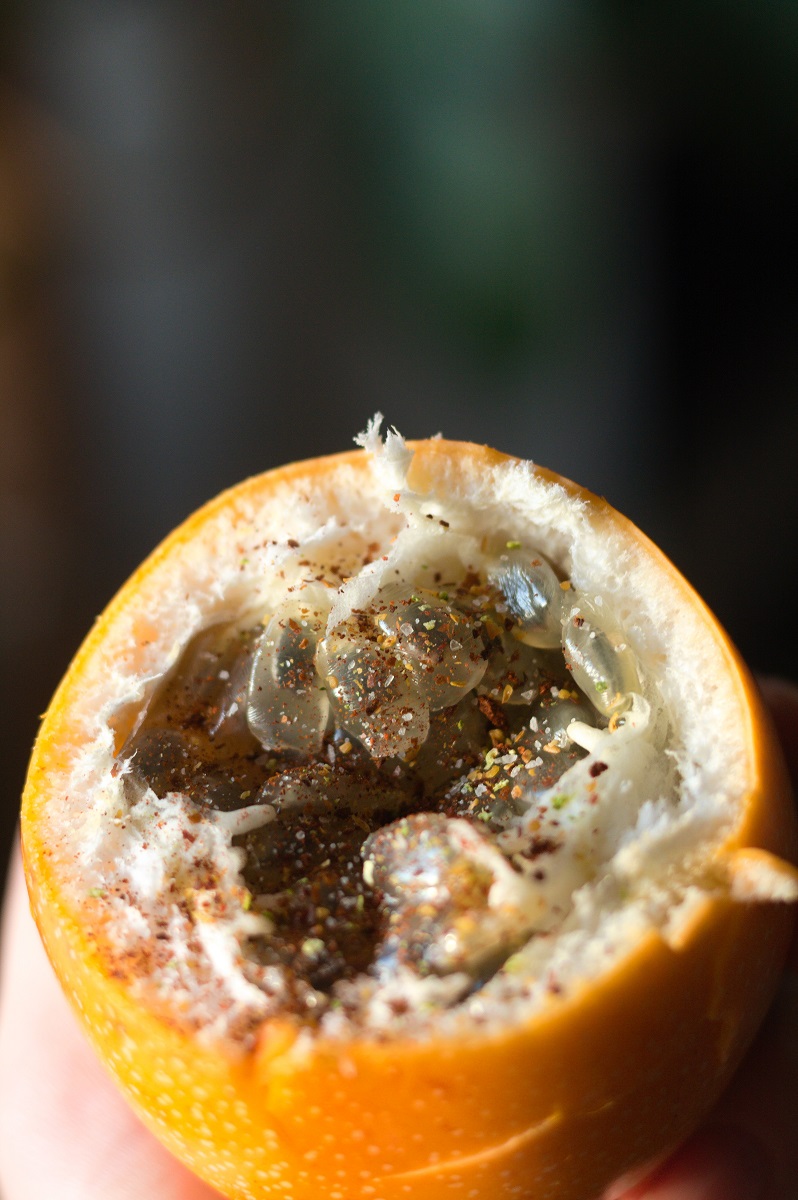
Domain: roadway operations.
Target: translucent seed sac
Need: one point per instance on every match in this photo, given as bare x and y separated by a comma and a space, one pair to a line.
546, 738
452, 746
533, 596
160, 759
553, 714
442, 646
414, 858
374, 697
191, 736
320, 810
534, 754
515, 671
601, 663
305, 868
287, 703
437, 894
166, 760
205, 691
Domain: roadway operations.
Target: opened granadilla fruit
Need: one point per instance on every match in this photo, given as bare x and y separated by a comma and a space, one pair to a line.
408, 828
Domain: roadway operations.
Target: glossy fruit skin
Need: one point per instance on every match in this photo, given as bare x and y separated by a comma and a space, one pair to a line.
610, 1076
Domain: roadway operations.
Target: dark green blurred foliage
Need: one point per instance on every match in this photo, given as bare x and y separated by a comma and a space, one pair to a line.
474, 138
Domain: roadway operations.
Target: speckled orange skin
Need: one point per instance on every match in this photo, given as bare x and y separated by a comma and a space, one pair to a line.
608, 1077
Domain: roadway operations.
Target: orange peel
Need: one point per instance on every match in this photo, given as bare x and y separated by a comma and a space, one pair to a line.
556, 1104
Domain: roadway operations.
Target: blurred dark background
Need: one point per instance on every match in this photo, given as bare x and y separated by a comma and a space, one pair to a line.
230, 233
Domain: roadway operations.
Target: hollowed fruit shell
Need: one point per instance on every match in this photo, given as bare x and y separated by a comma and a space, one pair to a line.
611, 1074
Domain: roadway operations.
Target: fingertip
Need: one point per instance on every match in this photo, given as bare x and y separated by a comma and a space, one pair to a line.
781, 697
719, 1163
780, 689
64, 1128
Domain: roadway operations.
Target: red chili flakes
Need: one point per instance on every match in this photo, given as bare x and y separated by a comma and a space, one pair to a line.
539, 846
597, 769
493, 711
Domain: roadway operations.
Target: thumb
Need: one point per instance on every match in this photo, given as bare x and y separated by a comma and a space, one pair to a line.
748, 1148
65, 1130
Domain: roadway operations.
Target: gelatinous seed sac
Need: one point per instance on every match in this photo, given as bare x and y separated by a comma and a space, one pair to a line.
427, 886
442, 645
535, 754
305, 868
546, 737
192, 735
456, 736
206, 689
317, 807
515, 670
437, 898
374, 696
600, 661
287, 703
161, 759
169, 761
415, 858
532, 593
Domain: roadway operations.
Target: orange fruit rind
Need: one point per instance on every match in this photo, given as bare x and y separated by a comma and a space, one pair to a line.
610, 1066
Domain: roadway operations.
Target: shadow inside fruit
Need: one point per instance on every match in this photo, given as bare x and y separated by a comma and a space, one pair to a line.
379, 761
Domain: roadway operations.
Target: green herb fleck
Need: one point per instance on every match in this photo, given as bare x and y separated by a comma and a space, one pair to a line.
561, 801
513, 545
312, 947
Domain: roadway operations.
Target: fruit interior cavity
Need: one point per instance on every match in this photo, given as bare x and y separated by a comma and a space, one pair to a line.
420, 768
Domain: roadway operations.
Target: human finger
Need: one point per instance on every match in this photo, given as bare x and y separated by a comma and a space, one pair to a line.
64, 1129
748, 1149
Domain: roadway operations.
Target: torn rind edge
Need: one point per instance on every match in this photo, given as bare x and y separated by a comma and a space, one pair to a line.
757, 875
